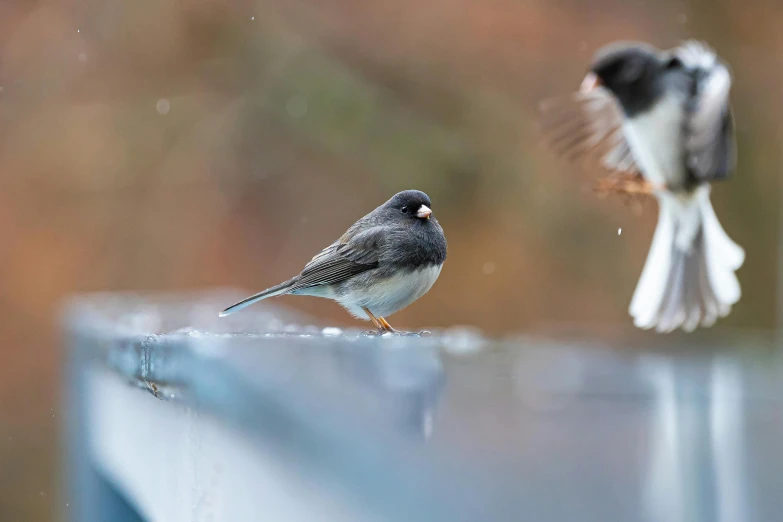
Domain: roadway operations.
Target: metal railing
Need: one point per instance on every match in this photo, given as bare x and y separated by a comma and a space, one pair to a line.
176, 416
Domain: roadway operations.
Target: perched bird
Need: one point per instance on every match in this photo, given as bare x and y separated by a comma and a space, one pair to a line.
384, 262
662, 121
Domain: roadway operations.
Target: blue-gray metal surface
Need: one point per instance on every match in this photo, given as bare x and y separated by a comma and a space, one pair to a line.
452, 426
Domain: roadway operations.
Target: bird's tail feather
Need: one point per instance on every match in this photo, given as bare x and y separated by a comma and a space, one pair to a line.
688, 278
282, 288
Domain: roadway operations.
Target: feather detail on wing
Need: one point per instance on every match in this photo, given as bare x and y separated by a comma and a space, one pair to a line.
352, 254
587, 126
343, 259
710, 143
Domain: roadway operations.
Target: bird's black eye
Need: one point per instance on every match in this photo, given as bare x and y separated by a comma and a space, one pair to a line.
674, 63
404, 209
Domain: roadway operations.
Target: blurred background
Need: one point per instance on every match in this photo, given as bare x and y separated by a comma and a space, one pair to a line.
167, 144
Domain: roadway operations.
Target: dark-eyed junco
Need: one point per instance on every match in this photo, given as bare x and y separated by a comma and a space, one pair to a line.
664, 116
384, 262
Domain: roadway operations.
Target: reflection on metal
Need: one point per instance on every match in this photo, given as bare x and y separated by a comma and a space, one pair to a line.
667, 486
691, 470
264, 415
727, 425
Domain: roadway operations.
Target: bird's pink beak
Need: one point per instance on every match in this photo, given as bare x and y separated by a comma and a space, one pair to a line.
423, 212
590, 82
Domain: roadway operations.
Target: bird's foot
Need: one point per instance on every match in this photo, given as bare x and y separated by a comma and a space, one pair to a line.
395, 333
152, 388
387, 328
384, 328
383, 332
422, 333
379, 322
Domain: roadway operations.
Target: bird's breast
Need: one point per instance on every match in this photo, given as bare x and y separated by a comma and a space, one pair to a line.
656, 141
386, 294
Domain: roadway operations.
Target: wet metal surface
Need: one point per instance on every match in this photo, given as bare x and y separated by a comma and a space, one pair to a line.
449, 426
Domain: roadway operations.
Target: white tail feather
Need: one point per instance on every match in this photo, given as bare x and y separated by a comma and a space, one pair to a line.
652, 283
688, 278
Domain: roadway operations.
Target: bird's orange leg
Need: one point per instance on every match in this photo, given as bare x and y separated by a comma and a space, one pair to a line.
626, 184
386, 325
374, 320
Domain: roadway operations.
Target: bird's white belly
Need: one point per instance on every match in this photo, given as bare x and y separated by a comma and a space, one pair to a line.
655, 139
392, 294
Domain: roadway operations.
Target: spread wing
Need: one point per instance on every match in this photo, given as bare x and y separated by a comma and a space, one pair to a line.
343, 259
587, 126
710, 144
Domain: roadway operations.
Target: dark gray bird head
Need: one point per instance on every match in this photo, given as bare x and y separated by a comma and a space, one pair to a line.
408, 206
633, 71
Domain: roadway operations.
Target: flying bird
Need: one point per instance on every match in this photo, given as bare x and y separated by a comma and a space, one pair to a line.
662, 122
384, 262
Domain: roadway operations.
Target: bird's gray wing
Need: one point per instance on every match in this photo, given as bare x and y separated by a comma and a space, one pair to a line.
587, 126
343, 259
709, 132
